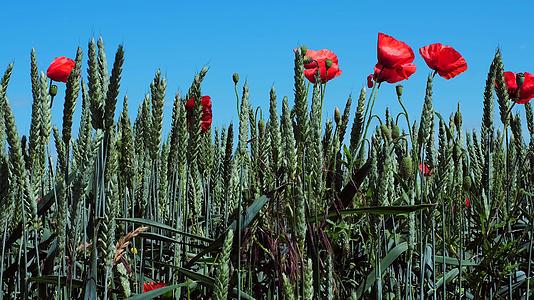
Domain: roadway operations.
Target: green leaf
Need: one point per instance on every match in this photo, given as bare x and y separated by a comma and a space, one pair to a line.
448, 278
384, 264
382, 210
155, 224
454, 261
158, 292
242, 294
206, 280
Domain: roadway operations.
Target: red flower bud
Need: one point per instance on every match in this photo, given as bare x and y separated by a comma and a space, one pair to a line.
60, 69
370, 81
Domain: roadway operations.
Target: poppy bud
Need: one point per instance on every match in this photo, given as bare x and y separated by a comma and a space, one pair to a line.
395, 132
261, 126
303, 50
399, 89
519, 79
307, 60
370, 81
337, 116
328, 63
467, 183
53, 90
235, 78
406, 167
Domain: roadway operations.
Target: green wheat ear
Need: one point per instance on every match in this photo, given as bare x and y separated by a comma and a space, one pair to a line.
427, 115
357, 125
157, 90
289, 292
223, 273
71, 94
500, 88
301, 101
530, 119
274, 132
113, 90
95, 87
126, 151
308, 281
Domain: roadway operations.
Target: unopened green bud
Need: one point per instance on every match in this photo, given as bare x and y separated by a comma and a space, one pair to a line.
53, 90
235, 78
399, 89
328, 63
261, 126
337, 116
406, 167
467, 183
519, 79
395, 132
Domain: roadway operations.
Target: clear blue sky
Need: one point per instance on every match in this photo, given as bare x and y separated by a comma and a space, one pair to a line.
256, 39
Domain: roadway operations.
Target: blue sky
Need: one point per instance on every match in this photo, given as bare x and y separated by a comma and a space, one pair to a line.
256, 40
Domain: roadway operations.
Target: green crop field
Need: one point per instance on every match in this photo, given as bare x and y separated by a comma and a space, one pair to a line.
284, 204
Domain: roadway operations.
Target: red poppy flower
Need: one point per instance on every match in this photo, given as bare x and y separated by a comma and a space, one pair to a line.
206, 120
60, 69
527, 89
317, 59
425, 169
370, 81
150, 286
394, 60
443, 59
467, 202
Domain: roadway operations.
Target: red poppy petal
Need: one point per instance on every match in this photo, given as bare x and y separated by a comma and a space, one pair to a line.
331, 73
60, 69
393, 75
310, 74
392, 52
511, 84
527, 89
430, 54
450, 63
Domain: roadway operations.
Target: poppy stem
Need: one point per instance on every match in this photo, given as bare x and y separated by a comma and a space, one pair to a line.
399, 98
50, 93
434, 74
510, 110
237, 97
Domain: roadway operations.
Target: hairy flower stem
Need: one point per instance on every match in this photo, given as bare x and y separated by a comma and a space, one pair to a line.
237, 98
406, 116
